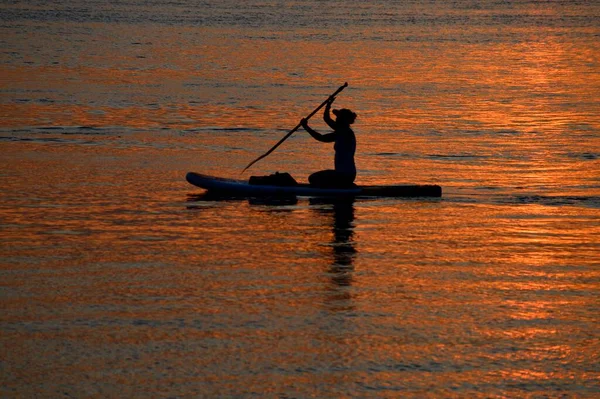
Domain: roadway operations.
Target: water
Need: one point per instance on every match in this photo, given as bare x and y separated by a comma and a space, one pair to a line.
120, 279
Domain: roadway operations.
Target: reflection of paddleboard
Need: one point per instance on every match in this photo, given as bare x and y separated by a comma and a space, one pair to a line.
243, 188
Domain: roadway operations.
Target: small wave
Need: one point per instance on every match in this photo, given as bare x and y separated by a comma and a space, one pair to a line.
455, 156
221, 129
393, 154
553, 200
388, 153
494, 132
46, 140
85, 130
506, 196
236, 129
57, 134
588, 156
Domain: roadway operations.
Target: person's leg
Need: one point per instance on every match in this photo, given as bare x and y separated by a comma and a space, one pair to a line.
330, 179
323, 178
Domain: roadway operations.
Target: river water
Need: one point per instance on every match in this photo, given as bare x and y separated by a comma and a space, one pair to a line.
119, 279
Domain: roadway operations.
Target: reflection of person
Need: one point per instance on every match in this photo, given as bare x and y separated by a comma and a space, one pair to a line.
342, 245
343, 249
345, 147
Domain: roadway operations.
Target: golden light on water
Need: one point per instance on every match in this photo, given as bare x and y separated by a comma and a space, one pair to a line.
120, 278
381, 81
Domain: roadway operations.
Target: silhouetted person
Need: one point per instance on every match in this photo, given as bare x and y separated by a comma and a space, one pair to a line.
345, 147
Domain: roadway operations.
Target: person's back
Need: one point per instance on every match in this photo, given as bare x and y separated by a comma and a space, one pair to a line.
345, 147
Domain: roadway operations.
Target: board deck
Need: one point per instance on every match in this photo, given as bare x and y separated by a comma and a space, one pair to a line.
243, 188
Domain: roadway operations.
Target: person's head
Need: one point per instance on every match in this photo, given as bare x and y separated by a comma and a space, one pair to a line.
344, 116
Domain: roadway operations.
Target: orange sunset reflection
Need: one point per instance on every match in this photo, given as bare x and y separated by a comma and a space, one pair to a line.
118, 278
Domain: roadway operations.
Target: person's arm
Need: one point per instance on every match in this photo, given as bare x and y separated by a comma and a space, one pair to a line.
326, 115
325, 138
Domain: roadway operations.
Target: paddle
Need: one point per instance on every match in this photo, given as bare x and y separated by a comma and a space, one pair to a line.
296, 128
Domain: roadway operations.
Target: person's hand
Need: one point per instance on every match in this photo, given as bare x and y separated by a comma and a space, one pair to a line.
330, 101
303, 122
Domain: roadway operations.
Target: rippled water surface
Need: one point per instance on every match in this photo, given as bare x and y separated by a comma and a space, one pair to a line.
119, 279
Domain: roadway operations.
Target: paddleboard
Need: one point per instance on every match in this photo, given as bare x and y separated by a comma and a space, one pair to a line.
244, 188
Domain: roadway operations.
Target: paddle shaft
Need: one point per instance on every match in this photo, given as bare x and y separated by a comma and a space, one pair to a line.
297, 127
